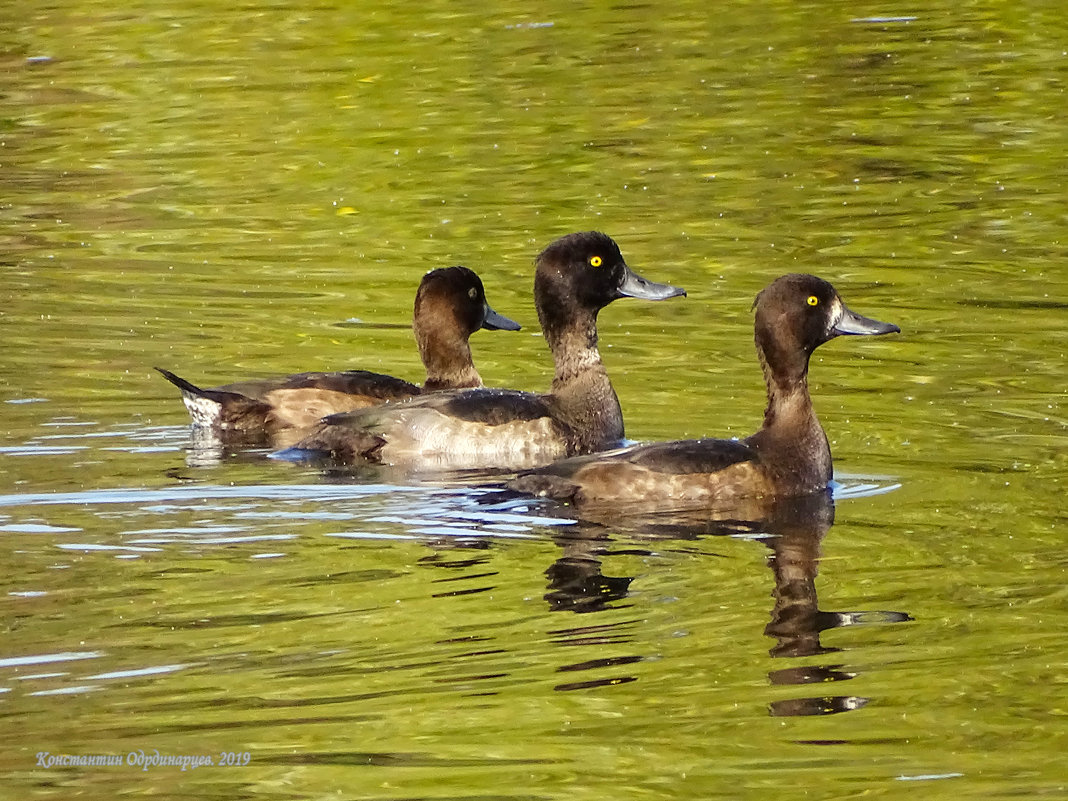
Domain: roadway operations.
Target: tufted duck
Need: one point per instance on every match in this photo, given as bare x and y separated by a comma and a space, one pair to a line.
450, 305
789, 455
575, 277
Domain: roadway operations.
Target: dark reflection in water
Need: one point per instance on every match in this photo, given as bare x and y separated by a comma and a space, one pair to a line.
797, 530
611, 634
576, 581
469, 566
793, 529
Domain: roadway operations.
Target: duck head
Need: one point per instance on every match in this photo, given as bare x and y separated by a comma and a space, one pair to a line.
579, 274
456, 295
797, 313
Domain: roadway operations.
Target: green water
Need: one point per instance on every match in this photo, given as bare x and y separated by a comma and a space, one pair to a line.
253, 190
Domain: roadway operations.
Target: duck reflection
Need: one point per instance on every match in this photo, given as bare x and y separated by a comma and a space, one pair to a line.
576, 582
792, 528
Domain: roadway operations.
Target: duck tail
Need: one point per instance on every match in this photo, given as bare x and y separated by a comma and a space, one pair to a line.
205, 406
222, 409
182, 384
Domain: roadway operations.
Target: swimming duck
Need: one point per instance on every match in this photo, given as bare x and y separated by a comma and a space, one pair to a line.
450, 305
789, 455
575, 277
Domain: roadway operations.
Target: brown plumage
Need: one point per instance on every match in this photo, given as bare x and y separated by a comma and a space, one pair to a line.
449, 306
575, 277
789, 455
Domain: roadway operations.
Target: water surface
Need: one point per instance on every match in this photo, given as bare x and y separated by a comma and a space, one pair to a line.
233, 192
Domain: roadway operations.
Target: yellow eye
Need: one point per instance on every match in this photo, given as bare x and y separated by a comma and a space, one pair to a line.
596, 261
813, 300
472, 293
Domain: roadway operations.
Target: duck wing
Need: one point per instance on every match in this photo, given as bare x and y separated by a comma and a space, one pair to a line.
657, 472
301, 400
375, 387
468, 429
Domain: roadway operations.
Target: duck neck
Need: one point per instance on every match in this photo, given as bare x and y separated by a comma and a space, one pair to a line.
574, 347
789, 403
583, 395
792, 438
447, 358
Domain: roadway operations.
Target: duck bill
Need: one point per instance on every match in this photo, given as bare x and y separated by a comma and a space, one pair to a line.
851, 323
634, 286
498, 322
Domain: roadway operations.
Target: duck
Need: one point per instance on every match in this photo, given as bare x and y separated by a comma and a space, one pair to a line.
575, 277
788, 456
450, 305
